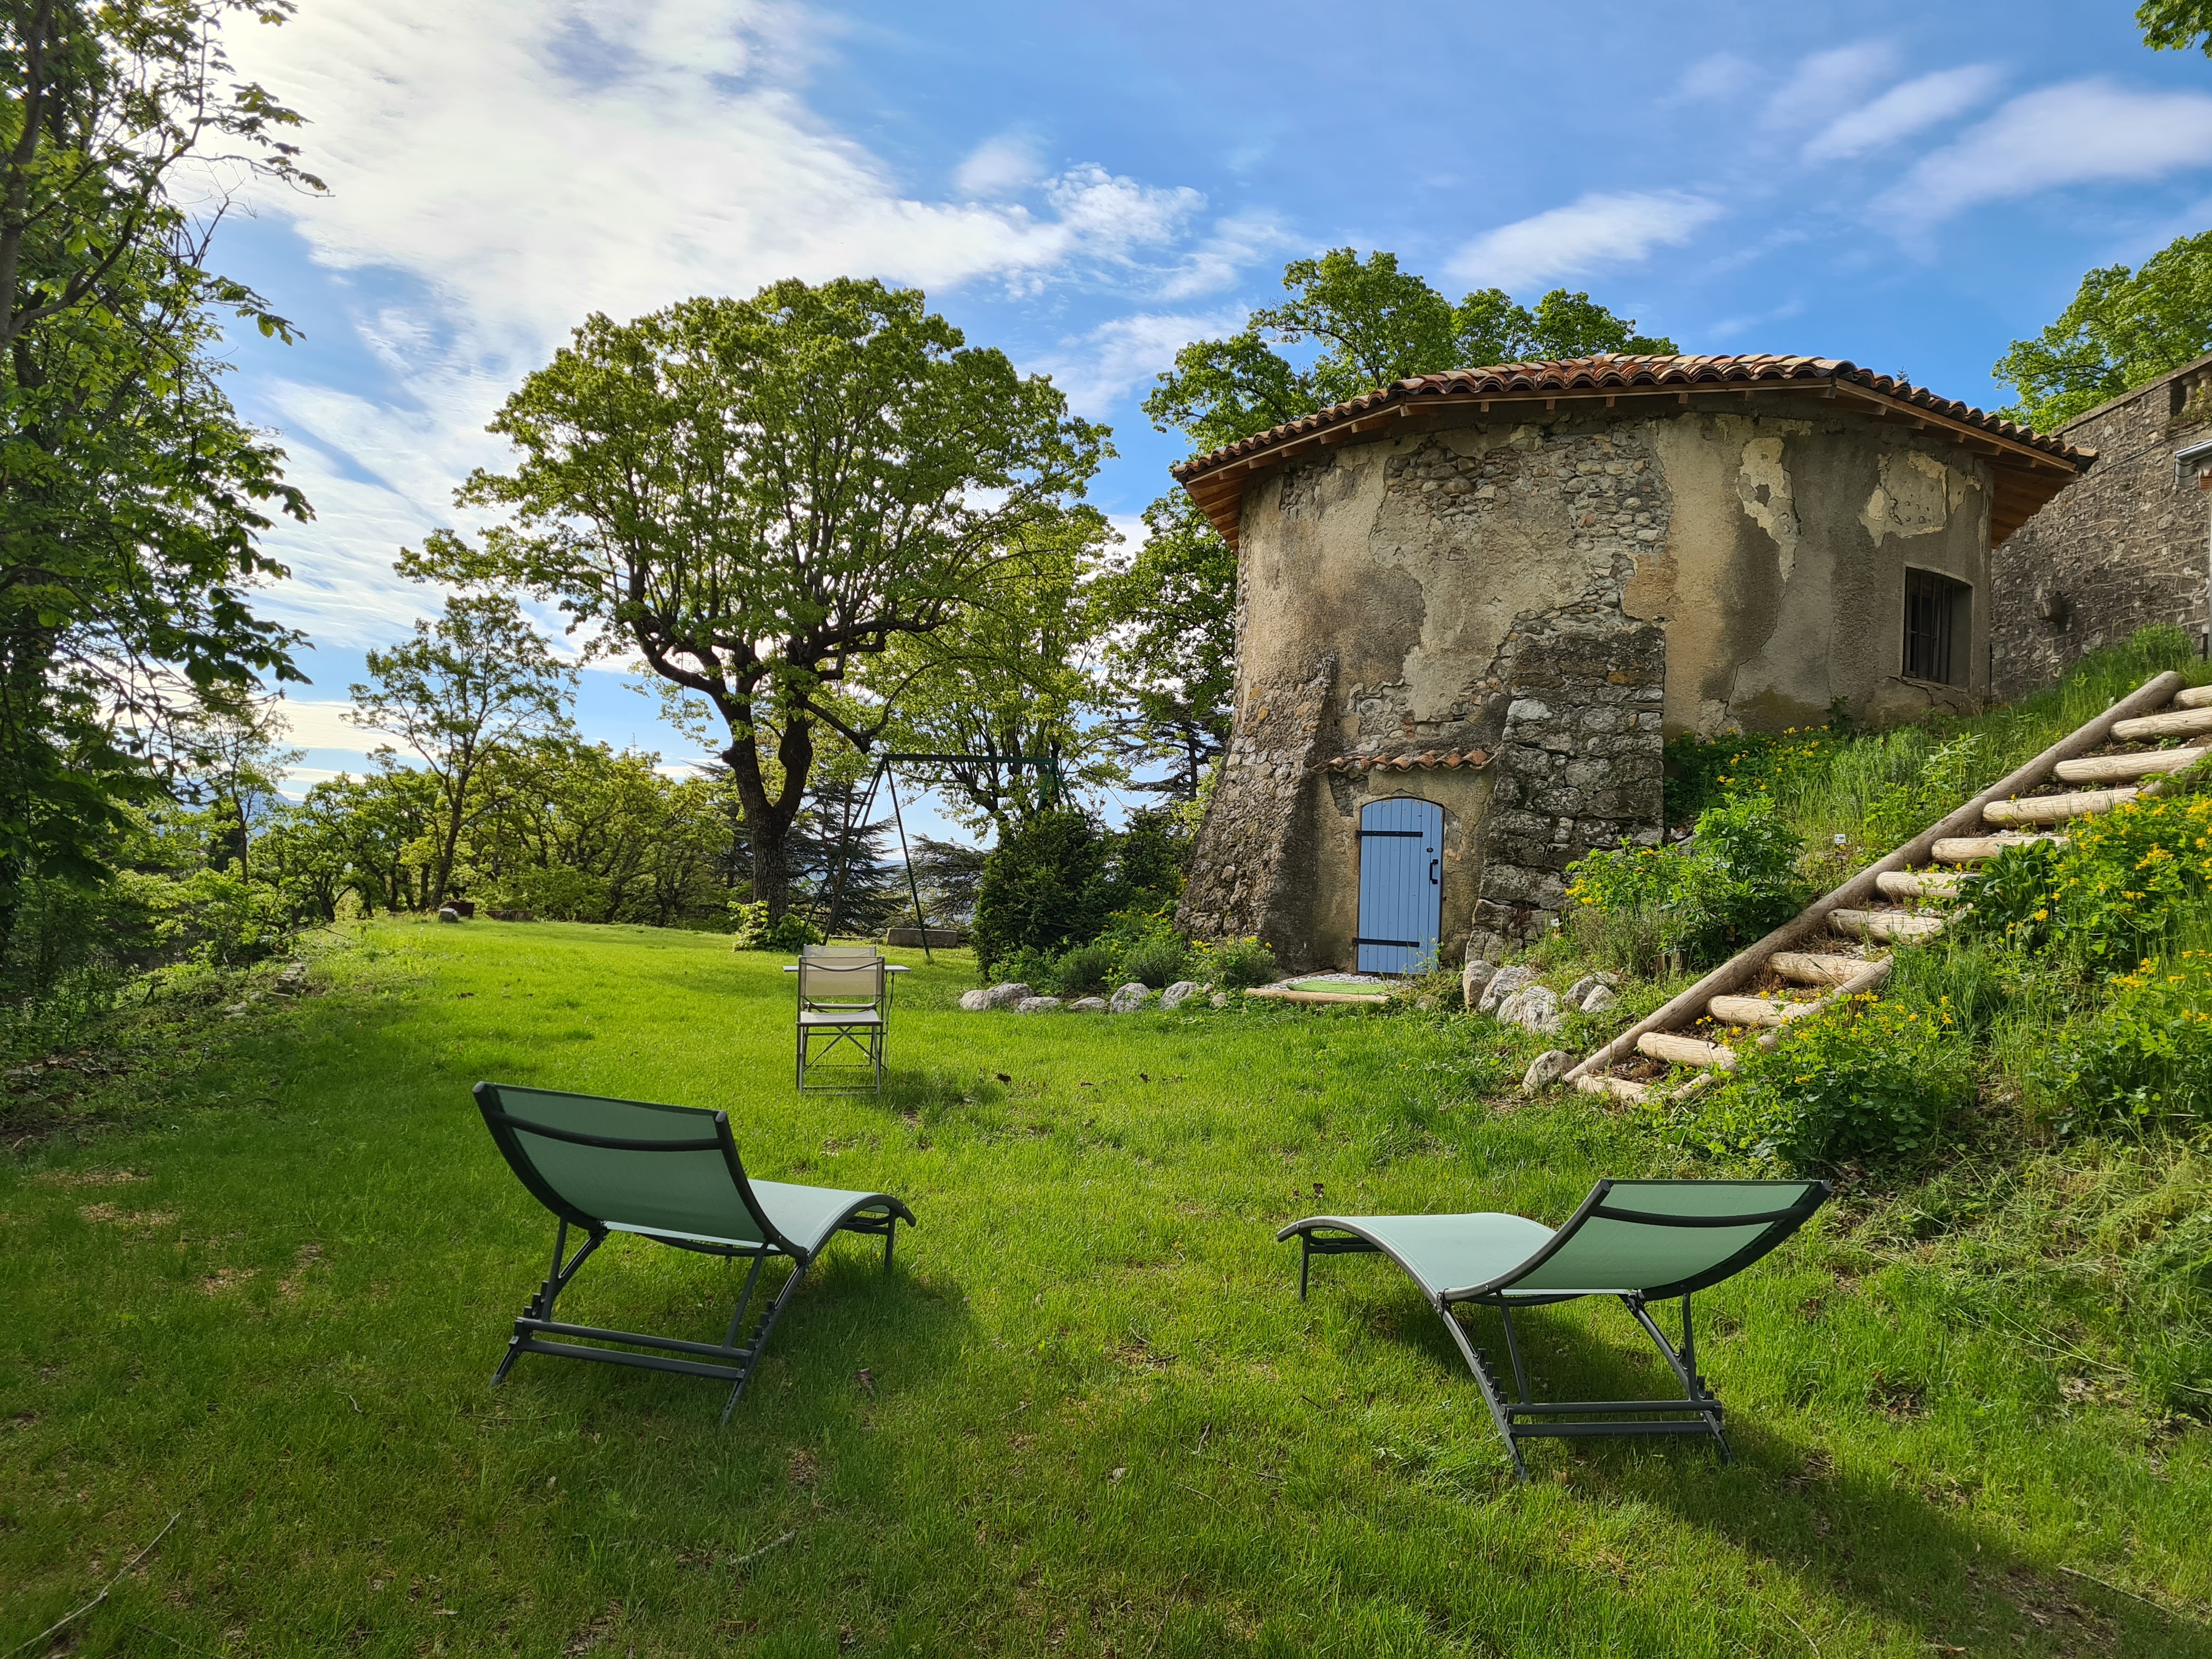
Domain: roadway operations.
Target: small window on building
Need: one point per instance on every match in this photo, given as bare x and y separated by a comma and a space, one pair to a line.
1938, 623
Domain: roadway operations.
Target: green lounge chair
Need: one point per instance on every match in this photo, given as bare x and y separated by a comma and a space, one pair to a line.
670, 1174
1642, 1241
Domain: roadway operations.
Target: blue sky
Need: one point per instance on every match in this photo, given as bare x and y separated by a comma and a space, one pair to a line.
1088, 186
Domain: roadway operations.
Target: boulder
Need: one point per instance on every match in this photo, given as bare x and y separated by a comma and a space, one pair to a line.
1036, 1004
1220, 999
1579, 993
1130, 998
1503, 984
1178, 994
1533, 1008
1010, 994
449, 913
1086, 1005
1473, 978
1600, 998
1546, 1069
976, 1002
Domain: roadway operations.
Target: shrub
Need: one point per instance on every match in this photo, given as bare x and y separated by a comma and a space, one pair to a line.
1042, 886
1702, 773
1239, 964
1083, 968
1867, 1081
2143, 1058
1733, 880
1156, 959
755, 932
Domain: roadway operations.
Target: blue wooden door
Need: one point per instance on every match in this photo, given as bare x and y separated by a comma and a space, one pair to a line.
1401, 845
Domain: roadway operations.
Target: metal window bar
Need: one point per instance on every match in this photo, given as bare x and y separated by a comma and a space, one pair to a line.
1931, 609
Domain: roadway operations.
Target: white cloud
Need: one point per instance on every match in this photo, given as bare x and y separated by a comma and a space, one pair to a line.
1903, 111
326, 725
510, 166
1220, 259
1595, 230
1097, 368
1719, 75
1827, 82
1000, 166
2079, 133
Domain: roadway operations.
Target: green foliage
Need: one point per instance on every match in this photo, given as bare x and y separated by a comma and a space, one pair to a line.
1167, 615
1238, 964
2141, 1058
132, 498
1868, 1081
1043, 886
1704, 772
757, 932
1083, 969
759, 496
1156, 959
2176, 25
1733, 881
2123, 327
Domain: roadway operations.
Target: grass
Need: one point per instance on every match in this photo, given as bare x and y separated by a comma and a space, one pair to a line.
264, 1293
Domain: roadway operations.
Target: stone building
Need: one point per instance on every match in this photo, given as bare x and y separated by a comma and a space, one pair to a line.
2129, 545
1471, 606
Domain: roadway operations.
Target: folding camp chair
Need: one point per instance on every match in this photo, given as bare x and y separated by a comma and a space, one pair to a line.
670, 1174
845, 997
1642, 1241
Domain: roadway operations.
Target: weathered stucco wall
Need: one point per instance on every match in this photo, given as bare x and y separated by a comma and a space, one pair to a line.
2123, 548
1551, 593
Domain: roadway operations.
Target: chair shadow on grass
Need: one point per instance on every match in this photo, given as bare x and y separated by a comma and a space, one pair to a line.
1840, 1532
847, 1317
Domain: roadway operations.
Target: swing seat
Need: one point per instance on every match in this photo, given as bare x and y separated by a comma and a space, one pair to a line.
1639, 1241
670, 1174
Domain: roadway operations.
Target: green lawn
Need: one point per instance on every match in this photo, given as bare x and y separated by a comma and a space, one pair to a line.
1098, 1419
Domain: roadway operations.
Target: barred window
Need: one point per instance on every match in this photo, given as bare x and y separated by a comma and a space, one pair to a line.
1938, 623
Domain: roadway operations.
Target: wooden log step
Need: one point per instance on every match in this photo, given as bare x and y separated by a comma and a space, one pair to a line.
2197, 697
1917, 885
2174, 723
2056, 809
1757, 1011
1883, 926
1813, 967
1972, 849
1615, 1088
1677, 1050
2119, 768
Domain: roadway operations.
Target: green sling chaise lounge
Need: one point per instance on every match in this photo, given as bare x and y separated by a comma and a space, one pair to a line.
670, 1174
1641, 1241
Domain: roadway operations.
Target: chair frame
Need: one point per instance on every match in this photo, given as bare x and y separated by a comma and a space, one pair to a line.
1635, 1417
870, 1038
730, 1360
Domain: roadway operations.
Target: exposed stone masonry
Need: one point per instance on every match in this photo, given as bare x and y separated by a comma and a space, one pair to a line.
1580, 767
2123, 548
1249, 848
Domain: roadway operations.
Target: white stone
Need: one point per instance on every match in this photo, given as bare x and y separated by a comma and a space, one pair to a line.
1220, 999
1036, 1004
1130, 998
1503, 984
1533, 1008
974, 1002
1473, 977
1009, 994
1601, 997
1546, 1069
1178, 994
1085, 1006
1579, 993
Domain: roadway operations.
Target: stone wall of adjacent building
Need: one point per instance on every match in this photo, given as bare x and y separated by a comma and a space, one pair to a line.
1254, 838
2124, 547
1580, 767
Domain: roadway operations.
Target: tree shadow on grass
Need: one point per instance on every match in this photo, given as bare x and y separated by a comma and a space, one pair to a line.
1906, 1556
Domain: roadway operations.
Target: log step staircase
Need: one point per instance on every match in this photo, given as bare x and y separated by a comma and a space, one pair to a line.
1839, 945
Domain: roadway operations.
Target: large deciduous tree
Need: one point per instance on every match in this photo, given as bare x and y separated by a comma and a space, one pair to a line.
758, 495
478, 679
1350, 325
2123, 327
2176, 25
132, 497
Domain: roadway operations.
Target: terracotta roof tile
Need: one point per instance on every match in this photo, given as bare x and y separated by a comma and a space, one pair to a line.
1427, 760
1632, 377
